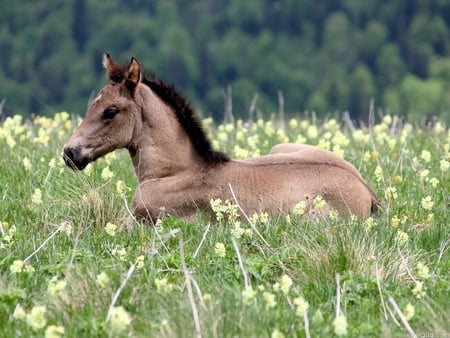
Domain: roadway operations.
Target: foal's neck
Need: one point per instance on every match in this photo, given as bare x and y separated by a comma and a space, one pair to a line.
163, 148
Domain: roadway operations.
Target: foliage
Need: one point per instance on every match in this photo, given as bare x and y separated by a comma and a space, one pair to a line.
324, 57
66, 251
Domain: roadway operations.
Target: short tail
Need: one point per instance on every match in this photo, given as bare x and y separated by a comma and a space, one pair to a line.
375, 205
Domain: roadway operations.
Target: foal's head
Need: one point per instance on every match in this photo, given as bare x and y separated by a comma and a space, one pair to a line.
112, 120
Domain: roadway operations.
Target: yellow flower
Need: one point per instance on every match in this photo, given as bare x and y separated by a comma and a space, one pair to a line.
56, 287
434, 182
401, 237
397, 179
36, 318
285, 284
418, 290
120, 318
248, 296
312, 132
110, 229
378, 173
19, 313
395, 221
237, 231
422, 271
301, 306
163, 286
107, 174
444, 165
16, 266
140, 262
26, 163
427, 203
340, 325
54, 331
119, 252
269, 300
299, 208
120, 186
36, 198
219, 250
277, 334
102, 280
425, 155
408, 311
319, 202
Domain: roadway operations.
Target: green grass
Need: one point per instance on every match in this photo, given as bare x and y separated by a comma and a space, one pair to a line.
184, 287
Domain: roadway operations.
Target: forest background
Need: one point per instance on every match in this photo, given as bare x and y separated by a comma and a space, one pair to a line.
325, 56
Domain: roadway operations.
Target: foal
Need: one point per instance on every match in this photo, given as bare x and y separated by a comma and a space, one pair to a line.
180, 172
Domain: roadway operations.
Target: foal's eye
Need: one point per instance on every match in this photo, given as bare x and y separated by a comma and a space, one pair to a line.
110, 112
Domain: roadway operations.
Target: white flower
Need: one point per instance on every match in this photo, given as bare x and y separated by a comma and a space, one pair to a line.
110, 229
54, 331
36, 198
56, 287
163, 286
19, 313
340, 325
36, 318
102, 280
248, 295
120, 318
219, 250
285, 284
301, 306
269, 299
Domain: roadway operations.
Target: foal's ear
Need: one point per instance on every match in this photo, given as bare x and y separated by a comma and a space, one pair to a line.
113, 70
133, 74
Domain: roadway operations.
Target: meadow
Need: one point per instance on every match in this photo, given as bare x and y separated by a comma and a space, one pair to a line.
69, 267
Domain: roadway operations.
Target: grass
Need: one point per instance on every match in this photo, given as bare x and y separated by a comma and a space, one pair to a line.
385, 276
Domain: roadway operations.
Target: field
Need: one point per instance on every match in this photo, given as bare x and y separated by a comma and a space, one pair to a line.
69, 267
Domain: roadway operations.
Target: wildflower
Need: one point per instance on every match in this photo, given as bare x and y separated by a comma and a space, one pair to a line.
54, 331
427, 203
293, 123
418, 290
120, 318
317, 318
397, 179
237, 231
408, 311
107, 174
119, 252
424, 174
26, 163
110, 229
36, 198
299, 208
378, 173
444, 165
102, 280
422, 271
369, 223
140, 262
163, 286
10, 142
425, 155
19, 313
36, 318
395, 221
285, 284
120, 187
401, 237
67, 228
434, 182
248, 295
391, 193
55, 286
16, 266
277, 334
269, 300
301, 305
373, 155
319, 202
219, 250
340, 325
312, 132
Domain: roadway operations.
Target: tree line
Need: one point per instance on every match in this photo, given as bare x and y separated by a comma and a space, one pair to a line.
316, 55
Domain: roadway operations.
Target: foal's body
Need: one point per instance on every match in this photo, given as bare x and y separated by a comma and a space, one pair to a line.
180, 173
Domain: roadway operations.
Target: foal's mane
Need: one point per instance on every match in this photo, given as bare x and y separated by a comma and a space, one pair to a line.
187, 118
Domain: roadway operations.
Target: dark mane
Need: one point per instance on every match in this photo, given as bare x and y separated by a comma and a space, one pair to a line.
187, 118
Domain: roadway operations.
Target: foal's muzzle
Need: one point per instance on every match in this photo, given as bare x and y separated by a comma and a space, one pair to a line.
74, 159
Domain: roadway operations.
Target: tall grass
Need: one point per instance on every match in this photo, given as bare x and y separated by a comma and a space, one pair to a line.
384, 276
